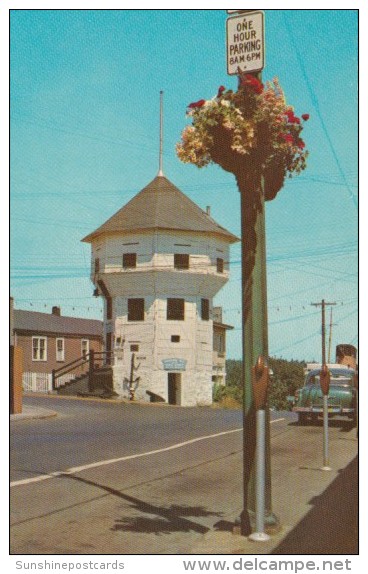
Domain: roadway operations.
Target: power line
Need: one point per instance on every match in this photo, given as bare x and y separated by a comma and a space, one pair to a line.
315, 102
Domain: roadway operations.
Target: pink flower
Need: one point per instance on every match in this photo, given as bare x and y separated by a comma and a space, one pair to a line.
305, 117
198, 104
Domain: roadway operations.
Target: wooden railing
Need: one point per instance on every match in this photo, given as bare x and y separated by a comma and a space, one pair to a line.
84, 365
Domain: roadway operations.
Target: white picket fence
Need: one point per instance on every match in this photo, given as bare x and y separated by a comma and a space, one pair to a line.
42, 382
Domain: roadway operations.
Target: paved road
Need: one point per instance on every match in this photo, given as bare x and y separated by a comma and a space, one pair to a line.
167, 502
85, 432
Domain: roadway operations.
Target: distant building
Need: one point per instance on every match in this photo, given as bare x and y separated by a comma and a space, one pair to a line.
219, 347
158, 263
50, 341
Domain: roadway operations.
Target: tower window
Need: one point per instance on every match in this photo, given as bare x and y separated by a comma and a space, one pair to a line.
181, 260
129, 260
220, 265
175, 338
205, 309
175, 309
97, 265
135, 309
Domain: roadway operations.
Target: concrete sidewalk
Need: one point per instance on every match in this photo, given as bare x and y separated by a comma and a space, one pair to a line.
318, 510
30, 412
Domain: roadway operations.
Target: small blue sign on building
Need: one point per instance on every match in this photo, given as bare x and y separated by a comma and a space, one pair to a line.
174, 364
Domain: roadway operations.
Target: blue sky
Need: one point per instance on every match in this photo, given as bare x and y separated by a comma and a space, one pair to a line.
84, 139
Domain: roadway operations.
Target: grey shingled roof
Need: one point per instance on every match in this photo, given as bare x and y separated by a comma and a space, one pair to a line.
35, 322
161, 205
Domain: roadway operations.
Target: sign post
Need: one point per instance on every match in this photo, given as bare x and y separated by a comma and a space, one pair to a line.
245, 54
324, 378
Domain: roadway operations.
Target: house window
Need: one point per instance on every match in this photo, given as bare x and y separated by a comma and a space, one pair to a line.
135, 309
129, 260
175, 309
181, 261
39, 349
220, 265
205, 309
84, 347
134, 348
97, 265
60, 350
175, 338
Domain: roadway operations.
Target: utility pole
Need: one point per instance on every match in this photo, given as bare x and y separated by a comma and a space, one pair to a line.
323, 304
330, 337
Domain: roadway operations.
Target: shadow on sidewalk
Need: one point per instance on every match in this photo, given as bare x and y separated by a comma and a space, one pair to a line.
156, 519
331, 526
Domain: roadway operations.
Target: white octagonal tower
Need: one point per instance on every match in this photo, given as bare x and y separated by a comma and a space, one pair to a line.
158, 263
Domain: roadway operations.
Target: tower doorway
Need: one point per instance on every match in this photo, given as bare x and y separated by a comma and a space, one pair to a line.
174, 388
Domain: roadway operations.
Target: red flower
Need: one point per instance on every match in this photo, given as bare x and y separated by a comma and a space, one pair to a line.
287, 138
305, 117
220, 90
291, 118
253, 83
301, 144
198, 104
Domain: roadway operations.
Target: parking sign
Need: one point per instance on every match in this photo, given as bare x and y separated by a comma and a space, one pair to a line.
245, 42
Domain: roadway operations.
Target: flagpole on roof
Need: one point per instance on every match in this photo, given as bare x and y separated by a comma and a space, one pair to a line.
160, 172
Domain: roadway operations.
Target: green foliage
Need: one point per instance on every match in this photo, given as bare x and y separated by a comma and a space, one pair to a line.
287, 377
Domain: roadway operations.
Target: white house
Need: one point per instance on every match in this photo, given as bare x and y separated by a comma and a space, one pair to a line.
158, 263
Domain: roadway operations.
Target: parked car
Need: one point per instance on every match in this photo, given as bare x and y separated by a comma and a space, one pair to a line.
308, 401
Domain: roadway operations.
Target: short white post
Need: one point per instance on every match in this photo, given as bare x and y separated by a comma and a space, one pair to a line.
260, 477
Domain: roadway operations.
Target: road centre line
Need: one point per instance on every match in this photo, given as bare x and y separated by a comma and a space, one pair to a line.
76, 469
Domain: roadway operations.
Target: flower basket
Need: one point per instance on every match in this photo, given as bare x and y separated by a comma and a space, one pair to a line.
251, 132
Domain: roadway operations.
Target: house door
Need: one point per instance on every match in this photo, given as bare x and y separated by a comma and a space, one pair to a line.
174, 388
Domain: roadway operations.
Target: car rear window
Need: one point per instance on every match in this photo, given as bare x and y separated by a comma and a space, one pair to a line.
336, 379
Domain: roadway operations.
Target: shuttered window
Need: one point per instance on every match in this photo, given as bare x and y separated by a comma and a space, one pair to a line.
175, 310
108, 308
220, 265
181, 261
205, 309
135, 309
129, 260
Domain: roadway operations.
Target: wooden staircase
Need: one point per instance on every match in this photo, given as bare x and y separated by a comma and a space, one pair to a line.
95, 378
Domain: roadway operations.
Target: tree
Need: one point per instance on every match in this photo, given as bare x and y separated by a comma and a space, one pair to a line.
287, 377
